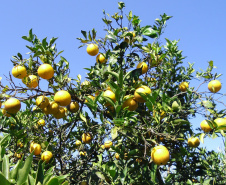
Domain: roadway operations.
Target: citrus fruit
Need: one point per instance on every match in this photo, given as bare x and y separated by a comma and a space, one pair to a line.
91, 97
19, 72
60, 113
42, 101
92, 49
41, 122
144, 67
220, 122
117, 156
110, 94
36, 147
52, 108
82, 153
30, 81
205, 126
175, 106
160, 155
108, 144
12, 105
62, 97
102, 146
46, 156
100, 58
131, 103
143, 89
78, 143
73, 107
214, 86
86, 138
183, 86
193, 142
45, 71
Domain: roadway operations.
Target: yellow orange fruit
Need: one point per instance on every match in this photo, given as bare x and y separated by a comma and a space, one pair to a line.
220, 122
193, 142
41, 122
214, 86
205, 126
100, 58
62, 97
108, 144
73, 107
86, 138
92, 49
60, 113
117, 156
45, 71
46, 156
82, 153
131, 103
42, 101
19, 72
91, 97
183, 86
160, 155
30, 81
78, 143
12, 105
110, 94
52, 108
144, 67
4, 112
36, 148
143, 89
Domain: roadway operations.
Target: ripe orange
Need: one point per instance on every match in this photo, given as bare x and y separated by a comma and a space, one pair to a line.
183, 86
78, 143
60, 113
220, 121
73, 107
193, 142
19, 156
4, 112
12, 105
30, 81
131, 103
36, 147
214, 86
87, 138
117, 156
100, 58
92, 49
143, 89
205, 126
19, 72
108, 144
110, 94
46, 156
62, 97
42, 102
144, 67
160, 155
52, 108
41, 122
45, 71
91, 97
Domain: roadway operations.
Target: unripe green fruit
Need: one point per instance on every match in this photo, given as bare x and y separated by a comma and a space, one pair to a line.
175, 106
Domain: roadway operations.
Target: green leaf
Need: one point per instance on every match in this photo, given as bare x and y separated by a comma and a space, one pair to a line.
202, 135
94, 34
83, 117
153, 171
53, 181
13, 172
24, 171
114, 132
31, 180
150, 32
84, 34
40, 172
5, 166
100, 175
3, 180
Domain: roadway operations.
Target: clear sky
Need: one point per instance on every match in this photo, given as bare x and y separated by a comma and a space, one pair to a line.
200, 26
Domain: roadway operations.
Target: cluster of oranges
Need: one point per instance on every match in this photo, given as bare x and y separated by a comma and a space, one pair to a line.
46, 156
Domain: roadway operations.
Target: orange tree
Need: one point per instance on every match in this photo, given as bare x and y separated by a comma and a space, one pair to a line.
128, 122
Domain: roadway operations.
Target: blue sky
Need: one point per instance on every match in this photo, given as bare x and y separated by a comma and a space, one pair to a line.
200, 26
